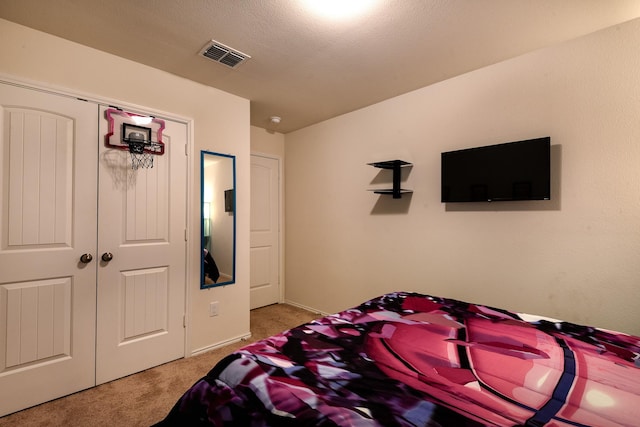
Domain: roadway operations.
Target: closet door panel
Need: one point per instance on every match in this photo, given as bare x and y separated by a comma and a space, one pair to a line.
141, 290
48, 221
39, 152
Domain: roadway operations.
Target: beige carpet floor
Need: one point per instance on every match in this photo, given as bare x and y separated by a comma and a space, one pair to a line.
145, 398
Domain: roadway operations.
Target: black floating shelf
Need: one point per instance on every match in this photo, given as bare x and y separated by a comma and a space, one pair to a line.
394, 165
389, 164
390, 191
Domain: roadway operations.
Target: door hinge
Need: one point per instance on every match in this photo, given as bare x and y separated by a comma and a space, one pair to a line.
186, 239
186, 150
184, 321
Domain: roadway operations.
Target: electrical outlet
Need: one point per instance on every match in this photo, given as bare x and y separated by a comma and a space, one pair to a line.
213, 308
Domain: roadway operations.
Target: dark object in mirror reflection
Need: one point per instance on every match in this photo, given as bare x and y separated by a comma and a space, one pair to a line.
211, 273
228, 200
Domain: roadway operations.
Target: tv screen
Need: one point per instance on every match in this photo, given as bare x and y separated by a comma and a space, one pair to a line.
511, 171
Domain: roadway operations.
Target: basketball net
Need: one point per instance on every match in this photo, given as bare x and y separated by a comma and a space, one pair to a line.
139, 157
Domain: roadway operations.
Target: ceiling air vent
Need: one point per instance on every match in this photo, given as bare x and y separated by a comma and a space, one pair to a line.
223, 54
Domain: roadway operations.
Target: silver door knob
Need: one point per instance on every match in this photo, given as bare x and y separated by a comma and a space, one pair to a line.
107, 256
86, 258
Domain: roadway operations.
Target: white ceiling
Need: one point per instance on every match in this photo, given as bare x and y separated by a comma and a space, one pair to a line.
306, 68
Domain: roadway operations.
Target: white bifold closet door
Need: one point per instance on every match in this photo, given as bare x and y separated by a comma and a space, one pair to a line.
66, 316
141, 291
48, 221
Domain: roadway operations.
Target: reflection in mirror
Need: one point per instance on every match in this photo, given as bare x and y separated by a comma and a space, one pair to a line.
218, 183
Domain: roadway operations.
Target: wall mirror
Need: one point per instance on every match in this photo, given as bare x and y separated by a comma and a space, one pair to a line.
218, 219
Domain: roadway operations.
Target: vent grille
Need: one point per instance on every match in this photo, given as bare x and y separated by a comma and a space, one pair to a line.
223, 54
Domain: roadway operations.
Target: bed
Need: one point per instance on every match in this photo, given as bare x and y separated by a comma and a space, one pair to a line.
406, 359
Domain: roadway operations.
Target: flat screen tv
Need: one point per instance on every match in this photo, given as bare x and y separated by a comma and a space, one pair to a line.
510, 171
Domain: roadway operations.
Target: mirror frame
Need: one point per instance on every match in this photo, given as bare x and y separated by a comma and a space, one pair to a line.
203, 155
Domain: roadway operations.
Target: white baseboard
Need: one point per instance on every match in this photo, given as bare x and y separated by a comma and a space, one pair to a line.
220, 344
248, 335
304, 307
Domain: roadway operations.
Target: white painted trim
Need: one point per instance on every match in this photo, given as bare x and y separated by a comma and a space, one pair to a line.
220, 344
58, 90
190, 226
189, 122
304, 307
281, 239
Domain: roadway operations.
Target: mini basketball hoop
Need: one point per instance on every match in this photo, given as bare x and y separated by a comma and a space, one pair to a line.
141, 150
134, 138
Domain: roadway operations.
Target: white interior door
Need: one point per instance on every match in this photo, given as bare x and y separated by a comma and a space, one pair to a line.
141, 290
265, 233
48, 155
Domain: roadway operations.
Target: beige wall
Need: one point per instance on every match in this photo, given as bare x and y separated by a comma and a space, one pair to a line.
575, 257
221, 124
267, 142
